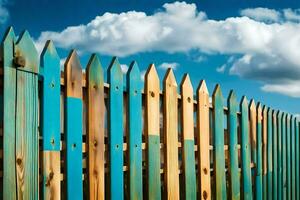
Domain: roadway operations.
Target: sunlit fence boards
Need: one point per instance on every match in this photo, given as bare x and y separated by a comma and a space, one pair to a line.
67, 134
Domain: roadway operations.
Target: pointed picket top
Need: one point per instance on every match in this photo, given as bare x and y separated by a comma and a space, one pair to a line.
50, 59
252, 106
94, 71
217, 94
202, 88
114, 70
270, 111
275, 113
186, 85
259, 112
134, 74
151, 74
265, 109
49, 50
27, 56
7, 51
73, 76
232, 100
279, 114
9, 35
244, 101
169, 79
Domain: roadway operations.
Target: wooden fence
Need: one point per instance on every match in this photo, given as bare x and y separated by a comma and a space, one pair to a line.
69, 135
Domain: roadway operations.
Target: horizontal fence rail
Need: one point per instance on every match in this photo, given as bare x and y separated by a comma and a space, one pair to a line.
69, 135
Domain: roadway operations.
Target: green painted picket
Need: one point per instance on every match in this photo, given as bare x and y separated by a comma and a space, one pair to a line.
69, 135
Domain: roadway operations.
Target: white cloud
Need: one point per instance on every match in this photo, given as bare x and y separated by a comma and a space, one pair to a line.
288, 88
167, 65
4, 14
124, 68
262, 14
265, 47
292, 15
221, 69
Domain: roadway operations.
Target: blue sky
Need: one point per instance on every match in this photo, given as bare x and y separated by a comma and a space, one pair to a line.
252, 47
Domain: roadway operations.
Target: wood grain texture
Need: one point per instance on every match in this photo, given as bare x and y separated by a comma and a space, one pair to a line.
252, 123
275, 146
152, 133
203, 141
171, 136
233, 149
73, 127
279, 153
264, 149
9, 116
219, 154
50, 115
258, 178
115, 77
187, 117
283, 161
288, 156
96, 128
245, 150
134, 83
27, 152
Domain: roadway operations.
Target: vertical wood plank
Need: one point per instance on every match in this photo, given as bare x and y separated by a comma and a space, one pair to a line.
288, 155
279, 153
96, 117
270, 155
187, 105
264, 129
219, 154
245, 150
233, 146
258, 182
27, 155
297, 155
252, 121
203, 141
152, 133
9, 116
73, 126
115, 77
171, 136
134, 83
275, 145
293, 159
51, 121
283, 161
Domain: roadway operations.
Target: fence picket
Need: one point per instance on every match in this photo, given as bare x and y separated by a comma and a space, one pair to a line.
27, 140
275, 167
188, 138
233, 146
73, 126
279, 154
171, 169
115, 77
269, 155
152, 133
203, 141
252, 121
9, 116
51, 121
288, 155
219, 154
297, 155
283, 161
264, 136
96, 117
258, 188
135, 131
293, 159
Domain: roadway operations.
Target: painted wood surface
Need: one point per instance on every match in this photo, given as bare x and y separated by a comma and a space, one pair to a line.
288, 156
219, 154
275, 146
284, 170
293, 159
279, 153
96, 128
9, 116
264, 148
188, 137
245, 150
233, 146
152, 133
269, 155
73, 126
171, 170
134, 84
297, 155
115, 78
203, 141
258, 178
253, 131
51, 121
27, 139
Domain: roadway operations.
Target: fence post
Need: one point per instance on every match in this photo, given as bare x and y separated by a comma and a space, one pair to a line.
95, 131
275, 164
297, 159
187, 118
284, 171
152, 133
9, 116
115, 77
293, 159
27, 137
50, 122
73, 126
258, 181
253, 132
288, 155
233, 146
171, 169
135, 131
269, 155
279, 153
219, 154
203, 141
264, 136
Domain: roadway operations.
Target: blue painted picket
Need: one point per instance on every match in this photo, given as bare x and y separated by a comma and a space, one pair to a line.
270, 155
258, 181
288, 156
279, 154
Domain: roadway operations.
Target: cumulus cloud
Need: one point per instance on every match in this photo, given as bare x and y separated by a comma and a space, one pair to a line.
167, 65
265, 42
221, 69
262, 14
4, 14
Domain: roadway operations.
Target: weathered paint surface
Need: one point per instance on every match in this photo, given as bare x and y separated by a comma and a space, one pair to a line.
279, 153
135, 131
264, 136
297, 149
9, 116
115, 77
283, 161
275, 166
233, 147
258, 178
51, 121
288, 156
219, 155
270, 156
293, 159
